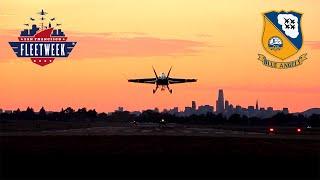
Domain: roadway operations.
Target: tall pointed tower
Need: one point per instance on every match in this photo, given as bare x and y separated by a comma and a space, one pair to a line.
220, 102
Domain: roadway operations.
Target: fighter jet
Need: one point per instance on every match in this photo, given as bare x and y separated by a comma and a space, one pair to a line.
52, 19
32, 19
42, 12
162, 80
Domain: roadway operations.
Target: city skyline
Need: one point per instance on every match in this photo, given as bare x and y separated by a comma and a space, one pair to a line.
227, 109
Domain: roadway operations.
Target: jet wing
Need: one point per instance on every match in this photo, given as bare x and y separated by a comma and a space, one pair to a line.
178, 80
145, 80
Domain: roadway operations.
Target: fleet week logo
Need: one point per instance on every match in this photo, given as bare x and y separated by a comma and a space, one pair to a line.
42, 41
282, 38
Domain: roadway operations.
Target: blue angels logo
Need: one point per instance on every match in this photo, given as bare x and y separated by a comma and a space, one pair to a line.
282, 38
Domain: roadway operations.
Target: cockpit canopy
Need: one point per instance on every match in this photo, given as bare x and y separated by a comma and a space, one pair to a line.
162, 76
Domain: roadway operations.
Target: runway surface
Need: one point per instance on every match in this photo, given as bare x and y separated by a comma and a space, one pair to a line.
147, 151
153, 129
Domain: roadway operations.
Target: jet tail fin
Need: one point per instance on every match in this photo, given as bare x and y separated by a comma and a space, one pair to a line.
169, 72
155, 73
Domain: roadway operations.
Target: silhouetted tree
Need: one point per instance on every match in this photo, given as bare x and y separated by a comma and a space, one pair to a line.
92, 114
69, 110
314, 120
235, 119
42, 113
17, 114
28, 114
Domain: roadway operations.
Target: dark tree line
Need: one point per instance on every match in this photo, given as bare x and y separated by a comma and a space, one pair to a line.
83, 114
279, 119
67, 114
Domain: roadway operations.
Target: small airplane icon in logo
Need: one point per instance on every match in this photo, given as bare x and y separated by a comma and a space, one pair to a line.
42, 12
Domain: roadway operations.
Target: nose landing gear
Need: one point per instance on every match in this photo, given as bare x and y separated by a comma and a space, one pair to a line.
170, 90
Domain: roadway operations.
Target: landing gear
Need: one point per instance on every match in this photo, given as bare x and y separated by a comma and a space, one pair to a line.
170, 90
155, 90
162, 88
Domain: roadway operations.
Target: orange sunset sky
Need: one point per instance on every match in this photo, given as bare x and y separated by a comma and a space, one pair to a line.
216, 42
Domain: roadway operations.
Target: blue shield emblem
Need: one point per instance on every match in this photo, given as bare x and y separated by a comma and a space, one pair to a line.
282, 36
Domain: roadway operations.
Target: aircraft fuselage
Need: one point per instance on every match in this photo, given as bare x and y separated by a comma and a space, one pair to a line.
162, 82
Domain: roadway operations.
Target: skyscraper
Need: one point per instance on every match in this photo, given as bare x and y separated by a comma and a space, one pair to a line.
194, 106
257, 105
226, 105
220, 102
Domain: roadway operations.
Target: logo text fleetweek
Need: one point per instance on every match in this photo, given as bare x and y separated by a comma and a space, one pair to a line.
43, 42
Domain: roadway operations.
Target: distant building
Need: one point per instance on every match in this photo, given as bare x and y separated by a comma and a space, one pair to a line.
226, 105
174, 111
238, 109
137, 113
188, 111
8, 111
251, 111
156, 110
251, 108
1, 111
194, 106
257, 105
120, 109
220, 102
285, 110
205, 109
270, 109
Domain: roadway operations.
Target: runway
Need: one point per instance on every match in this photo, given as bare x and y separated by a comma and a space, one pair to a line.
207, 155
153, 129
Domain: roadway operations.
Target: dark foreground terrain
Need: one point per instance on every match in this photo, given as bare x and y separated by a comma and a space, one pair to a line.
154, 157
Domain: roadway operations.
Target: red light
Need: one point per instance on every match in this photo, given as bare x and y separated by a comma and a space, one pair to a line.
298, 130
271, 129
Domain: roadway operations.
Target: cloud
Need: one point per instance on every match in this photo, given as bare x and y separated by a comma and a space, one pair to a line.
289, 20
6, 52
7, 14
313, 44
107, 34
203, 35
115, 44
266, 88
131, 45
